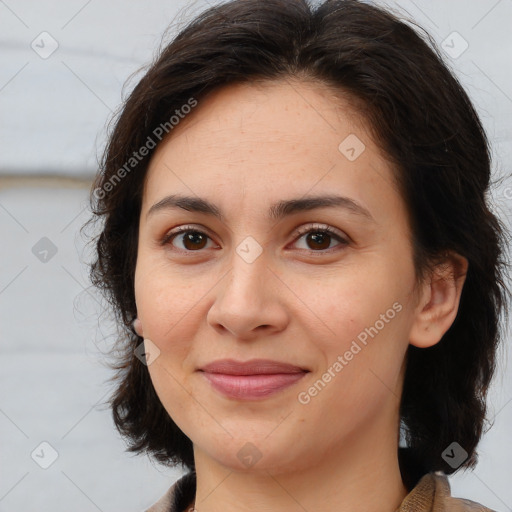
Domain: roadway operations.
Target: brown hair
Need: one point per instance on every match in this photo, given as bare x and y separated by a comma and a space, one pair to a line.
422, 119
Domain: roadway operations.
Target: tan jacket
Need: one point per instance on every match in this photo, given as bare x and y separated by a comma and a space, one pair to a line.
431, 494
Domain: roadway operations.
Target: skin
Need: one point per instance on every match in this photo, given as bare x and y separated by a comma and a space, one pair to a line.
243, 148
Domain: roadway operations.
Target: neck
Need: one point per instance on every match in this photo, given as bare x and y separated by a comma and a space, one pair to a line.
362, 474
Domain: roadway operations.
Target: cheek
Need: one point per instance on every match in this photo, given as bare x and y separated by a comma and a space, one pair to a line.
164, 298
366, 321
351, 299
360, 374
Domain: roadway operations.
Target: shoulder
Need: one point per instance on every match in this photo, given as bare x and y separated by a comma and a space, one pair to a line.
433, 492
178, 496
164, 503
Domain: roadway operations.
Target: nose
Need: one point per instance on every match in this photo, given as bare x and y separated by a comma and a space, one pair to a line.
249, 301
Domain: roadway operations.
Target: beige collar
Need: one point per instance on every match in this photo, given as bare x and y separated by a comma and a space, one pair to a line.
431, 494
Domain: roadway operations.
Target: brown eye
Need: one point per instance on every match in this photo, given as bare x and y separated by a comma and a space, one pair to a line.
193, 240
190, 240
319, 238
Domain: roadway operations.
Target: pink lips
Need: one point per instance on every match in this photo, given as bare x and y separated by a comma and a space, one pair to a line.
251, 380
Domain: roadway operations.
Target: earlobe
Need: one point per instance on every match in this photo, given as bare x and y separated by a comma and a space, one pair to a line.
439, 301
137, 327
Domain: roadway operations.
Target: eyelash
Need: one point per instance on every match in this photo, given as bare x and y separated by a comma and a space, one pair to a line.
317, 228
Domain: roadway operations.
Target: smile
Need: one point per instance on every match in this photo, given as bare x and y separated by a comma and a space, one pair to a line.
251, 387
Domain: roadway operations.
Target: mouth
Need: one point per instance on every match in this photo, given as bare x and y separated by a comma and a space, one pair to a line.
251, 367
251, 380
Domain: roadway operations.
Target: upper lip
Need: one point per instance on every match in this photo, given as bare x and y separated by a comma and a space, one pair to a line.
251, 367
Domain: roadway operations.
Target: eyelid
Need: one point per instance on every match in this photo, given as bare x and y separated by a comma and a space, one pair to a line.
342, 239
183, 229
307, 228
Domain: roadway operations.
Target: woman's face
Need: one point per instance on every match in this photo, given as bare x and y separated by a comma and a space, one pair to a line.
261, 279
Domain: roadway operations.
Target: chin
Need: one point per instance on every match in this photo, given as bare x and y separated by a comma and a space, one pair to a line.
254, 454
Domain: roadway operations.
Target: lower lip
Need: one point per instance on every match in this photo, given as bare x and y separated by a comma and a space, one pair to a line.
251, 387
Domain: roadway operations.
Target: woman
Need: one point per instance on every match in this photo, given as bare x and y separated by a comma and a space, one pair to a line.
295, 226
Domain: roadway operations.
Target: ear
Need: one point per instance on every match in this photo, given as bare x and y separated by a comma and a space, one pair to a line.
137, 327
439, 301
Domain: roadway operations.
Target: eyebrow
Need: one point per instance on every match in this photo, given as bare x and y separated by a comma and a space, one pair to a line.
276, 211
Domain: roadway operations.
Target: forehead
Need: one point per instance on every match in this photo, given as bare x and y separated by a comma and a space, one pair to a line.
266, 138
274, 112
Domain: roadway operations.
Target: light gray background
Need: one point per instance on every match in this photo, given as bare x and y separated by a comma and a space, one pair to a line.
53, 115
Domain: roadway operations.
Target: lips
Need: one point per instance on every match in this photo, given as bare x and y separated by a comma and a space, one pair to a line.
251, 380
252, 367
